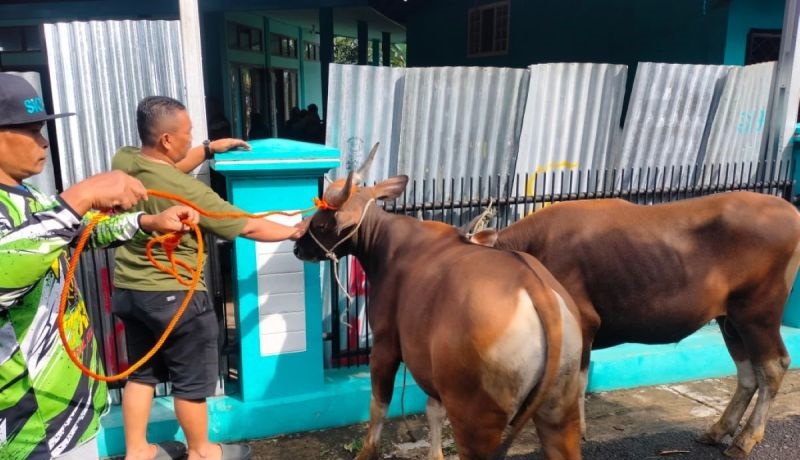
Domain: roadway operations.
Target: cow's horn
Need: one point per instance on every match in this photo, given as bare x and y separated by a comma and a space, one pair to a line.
362, 171
338, 199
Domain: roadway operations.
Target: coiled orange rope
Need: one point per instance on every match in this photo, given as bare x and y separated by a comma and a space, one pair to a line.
169, 242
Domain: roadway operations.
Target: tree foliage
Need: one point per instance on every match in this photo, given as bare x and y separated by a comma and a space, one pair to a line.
345, 51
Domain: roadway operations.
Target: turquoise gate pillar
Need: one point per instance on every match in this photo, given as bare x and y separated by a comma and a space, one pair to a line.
791, 316
279, 312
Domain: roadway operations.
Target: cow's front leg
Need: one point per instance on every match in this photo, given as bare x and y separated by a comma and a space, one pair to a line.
383, 366
436, 415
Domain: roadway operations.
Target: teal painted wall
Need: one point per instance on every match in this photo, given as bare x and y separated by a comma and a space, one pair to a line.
746, 15
615, 31
212, 35
312, 81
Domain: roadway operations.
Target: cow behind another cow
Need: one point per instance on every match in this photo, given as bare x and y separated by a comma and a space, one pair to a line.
655, 274
489, 335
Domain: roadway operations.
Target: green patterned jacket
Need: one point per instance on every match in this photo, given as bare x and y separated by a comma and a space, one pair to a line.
47, 405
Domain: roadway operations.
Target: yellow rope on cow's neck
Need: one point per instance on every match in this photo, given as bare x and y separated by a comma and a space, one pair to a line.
169, 242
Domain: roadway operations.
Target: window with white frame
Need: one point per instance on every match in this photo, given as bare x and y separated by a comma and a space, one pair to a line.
487, 29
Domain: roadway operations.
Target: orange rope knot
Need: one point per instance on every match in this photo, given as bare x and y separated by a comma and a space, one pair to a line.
169, 242
320, 203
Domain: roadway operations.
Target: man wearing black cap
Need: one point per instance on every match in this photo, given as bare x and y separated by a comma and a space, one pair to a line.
48, 408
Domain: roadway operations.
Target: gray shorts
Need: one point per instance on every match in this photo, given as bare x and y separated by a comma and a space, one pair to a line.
189, 357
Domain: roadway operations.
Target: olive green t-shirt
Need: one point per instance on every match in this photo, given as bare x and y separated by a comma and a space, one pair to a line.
133, 270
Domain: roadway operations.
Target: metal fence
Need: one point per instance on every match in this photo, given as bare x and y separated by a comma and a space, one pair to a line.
458, 201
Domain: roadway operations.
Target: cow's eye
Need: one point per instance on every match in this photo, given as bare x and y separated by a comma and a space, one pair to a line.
321, 226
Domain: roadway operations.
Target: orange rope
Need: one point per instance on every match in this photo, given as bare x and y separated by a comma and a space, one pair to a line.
169, 242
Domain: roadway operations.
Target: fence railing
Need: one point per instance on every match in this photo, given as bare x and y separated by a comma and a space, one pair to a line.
458, 201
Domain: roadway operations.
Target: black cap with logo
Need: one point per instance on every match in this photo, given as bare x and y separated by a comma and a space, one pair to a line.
20, 103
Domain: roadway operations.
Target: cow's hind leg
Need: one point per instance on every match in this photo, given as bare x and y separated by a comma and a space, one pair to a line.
436, 414
769, 375
769, 371
745, 387
559, 430
477, 427
383, 367
757, 318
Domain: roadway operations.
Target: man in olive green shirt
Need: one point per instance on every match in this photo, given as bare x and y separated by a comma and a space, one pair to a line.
146, 299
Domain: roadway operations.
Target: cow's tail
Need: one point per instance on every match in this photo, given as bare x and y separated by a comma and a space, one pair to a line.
553, 325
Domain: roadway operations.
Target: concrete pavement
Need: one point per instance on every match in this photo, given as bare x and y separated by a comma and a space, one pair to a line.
658, 422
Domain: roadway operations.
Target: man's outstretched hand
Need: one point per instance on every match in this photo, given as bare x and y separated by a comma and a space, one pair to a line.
170, 220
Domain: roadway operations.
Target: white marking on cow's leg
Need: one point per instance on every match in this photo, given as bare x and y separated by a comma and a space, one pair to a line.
745, 388
435, 412
769, 376
584, 380
377, 414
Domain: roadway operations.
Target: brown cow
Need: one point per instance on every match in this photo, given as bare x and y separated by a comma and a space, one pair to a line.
488, 335
655, 274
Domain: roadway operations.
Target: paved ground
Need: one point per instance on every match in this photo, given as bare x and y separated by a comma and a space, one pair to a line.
649, 423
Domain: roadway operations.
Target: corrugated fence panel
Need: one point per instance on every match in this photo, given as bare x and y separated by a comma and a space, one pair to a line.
667, 116
364, 107
571, 119
461, 122
101, 70
739, 131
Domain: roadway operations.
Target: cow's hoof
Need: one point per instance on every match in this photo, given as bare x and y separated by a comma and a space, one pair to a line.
708, 439
743, 444
368, 453
735, 451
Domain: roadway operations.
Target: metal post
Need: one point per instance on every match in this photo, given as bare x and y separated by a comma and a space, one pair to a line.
193, 71
363, 42
786, 96
386, 42
325, 52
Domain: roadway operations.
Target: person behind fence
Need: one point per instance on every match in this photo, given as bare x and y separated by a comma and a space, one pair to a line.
48, 408
146, 299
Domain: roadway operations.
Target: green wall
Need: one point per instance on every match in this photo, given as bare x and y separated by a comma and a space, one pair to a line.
746, 15
615, 31
309, 72
218, 59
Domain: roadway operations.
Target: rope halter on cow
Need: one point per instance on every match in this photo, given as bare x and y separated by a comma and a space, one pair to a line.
329, 253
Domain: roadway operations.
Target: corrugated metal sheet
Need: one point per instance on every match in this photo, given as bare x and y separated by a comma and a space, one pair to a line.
364, 107
668, 113
739, 132
101, 70
571, 118
458, 123
461, 122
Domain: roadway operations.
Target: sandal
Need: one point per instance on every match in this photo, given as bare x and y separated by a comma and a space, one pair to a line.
235, 451
170, 450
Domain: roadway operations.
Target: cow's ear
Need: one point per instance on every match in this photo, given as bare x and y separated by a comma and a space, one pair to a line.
391, 188
486, 237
